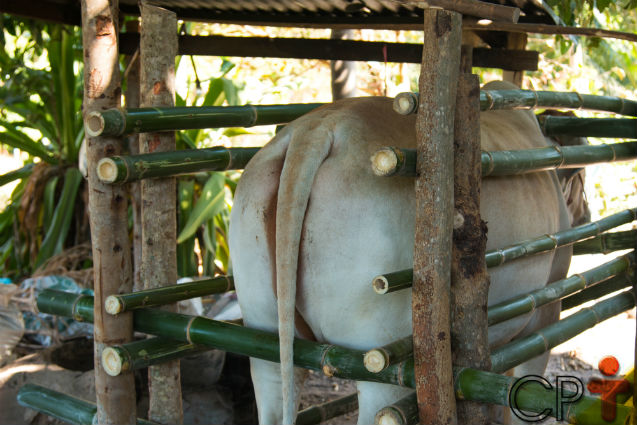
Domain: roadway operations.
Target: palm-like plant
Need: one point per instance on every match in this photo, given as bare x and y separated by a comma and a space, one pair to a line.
40, 116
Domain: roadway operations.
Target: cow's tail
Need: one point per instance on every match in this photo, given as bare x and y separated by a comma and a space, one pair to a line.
306, 152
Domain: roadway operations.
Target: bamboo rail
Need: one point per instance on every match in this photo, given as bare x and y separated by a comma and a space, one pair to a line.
407, 103
622, 128
61, 406
117, 122
521, 350
392, 161
79, 412
606, 242
123, 169
557, 290
488, 387
600, 290
395, 281
378, 359
116, 304
331, 359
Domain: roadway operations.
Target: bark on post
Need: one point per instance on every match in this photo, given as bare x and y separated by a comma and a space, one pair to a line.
158, 48
132, 101
343, 72
108, 211
434, 217
469, 277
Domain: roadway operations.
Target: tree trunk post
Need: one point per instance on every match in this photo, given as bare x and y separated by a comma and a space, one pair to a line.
343, 72
108, 211
158, 48
132, 101
469, 277
434, 217
515, 41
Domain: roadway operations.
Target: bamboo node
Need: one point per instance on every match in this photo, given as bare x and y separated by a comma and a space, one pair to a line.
188, 326
561, 154
112, 362
385, 162
580, 100
405, 103
375, 360
612, 149
107, 170
113, 305
94, 124
380, 285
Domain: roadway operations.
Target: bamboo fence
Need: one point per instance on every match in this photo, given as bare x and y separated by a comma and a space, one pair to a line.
408, 103
116, 304
621, 128
395, 281
392, 161
117, 122
123, 169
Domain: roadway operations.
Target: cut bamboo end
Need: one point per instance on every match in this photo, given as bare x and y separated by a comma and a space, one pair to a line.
380, 284
112, 362
384, 162
113, 305
388, 416
375, 360
406, 103
94, 124
107, 170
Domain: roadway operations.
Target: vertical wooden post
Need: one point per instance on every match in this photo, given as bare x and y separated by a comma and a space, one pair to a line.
158, 48
108, 211
515, 41
469, 277
434, 217
135, 189
343, 72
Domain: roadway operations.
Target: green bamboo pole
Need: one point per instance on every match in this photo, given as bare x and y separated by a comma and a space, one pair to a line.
144, 353
606, 243
323, 412
622, 128
61, 406
380, 358
392, 161
600, 290
331, 359
122, 169
117, 122
488, 387
116, 304
407, 103
555, 291
521, 350
396, 281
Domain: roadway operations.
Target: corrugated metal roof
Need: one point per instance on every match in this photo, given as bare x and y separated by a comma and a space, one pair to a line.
323, 13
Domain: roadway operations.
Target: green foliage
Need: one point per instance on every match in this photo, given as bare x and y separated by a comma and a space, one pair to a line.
40, 102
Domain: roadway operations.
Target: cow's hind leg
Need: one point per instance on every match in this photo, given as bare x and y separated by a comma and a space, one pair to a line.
372, 397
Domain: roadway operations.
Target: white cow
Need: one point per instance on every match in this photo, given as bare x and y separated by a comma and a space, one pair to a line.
312, 222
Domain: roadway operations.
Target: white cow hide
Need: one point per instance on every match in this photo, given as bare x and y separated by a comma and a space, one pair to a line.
310, 219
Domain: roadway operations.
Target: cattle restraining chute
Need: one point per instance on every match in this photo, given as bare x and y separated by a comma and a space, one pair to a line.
297, 182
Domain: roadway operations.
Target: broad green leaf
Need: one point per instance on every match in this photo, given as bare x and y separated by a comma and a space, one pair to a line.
209, 204
235, 131
14, 138
20, 173
53, 242
231, 92
48, 205
186, 259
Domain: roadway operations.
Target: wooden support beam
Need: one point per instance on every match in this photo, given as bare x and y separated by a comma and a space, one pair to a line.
434, 222
348, 50
158, 196
108, 211
469, 277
